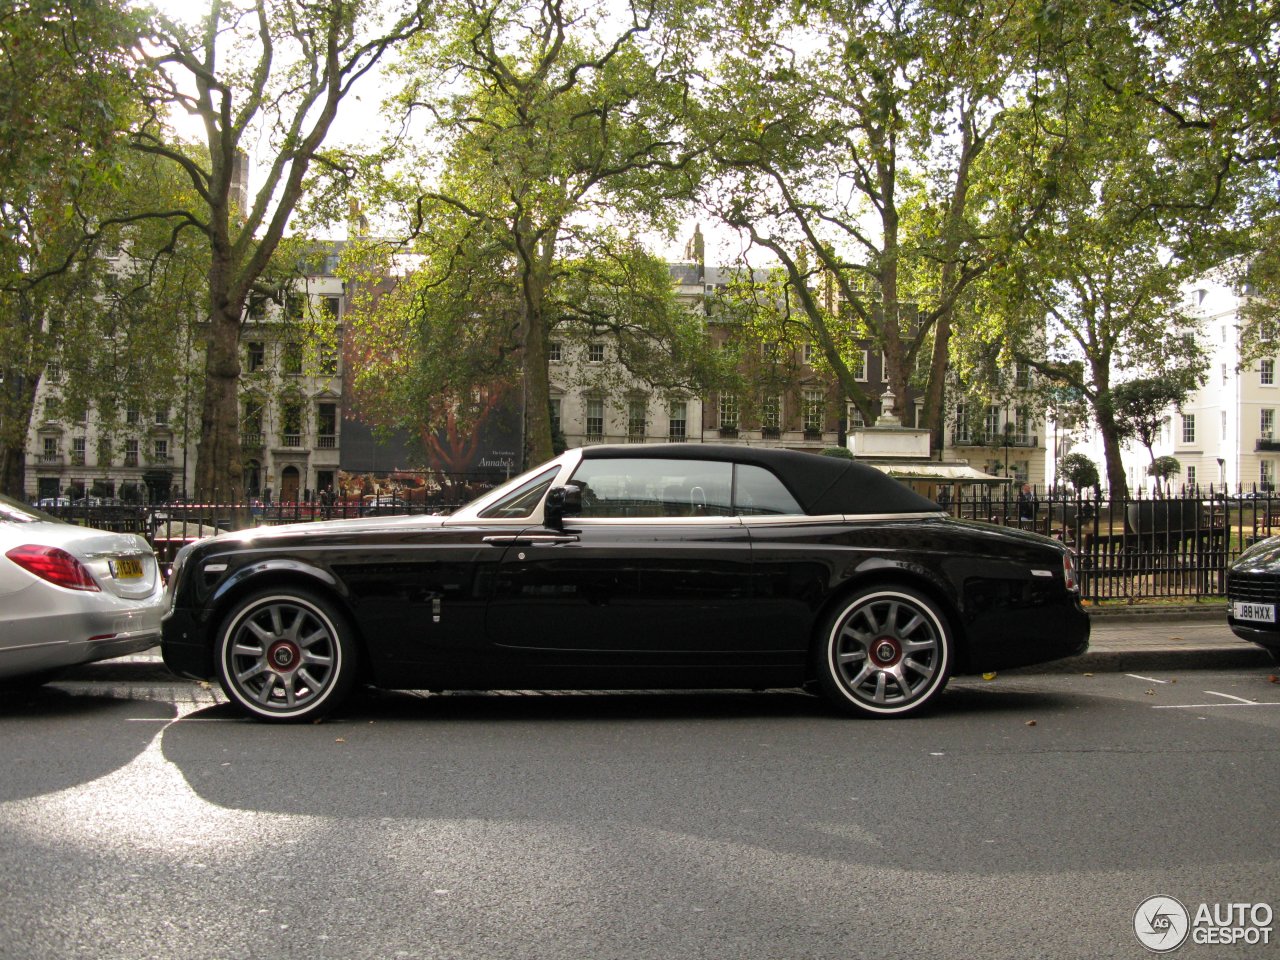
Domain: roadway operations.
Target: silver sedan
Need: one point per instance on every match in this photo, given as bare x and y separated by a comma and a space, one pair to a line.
72, 594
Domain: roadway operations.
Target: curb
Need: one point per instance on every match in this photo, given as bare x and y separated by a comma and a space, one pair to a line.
1244, 657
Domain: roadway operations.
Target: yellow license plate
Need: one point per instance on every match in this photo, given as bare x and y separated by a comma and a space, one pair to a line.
126, 569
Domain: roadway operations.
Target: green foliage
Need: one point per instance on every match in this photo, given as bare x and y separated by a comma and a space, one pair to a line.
1163, 468
554, 120
1079, 471
839, 453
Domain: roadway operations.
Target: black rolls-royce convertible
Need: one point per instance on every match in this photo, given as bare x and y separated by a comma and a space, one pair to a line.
629, 567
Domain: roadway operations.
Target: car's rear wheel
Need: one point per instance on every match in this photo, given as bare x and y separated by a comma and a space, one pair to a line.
885, 652
286, 655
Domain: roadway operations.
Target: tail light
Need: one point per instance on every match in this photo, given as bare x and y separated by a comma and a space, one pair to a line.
1069, 572
54, 565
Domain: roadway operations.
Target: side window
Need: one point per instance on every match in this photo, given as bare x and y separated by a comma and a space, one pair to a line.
758, 493
522, 501
631, 487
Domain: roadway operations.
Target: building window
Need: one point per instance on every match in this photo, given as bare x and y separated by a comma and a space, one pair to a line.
1267, 373
884, 367
554, 354
555, 415
853, 417
1191, 476
1188, 428
50, 453
256, 358
679, 421
595, 353
104, 452
54, 373
813, 411
291, 425
77, 451
595, 418
251, 422
326, 426
1022, 376
132, 416
292, 358
1022, 430
860, 366
991, 423
636, 419
771, 415
1224, 374
1267, 474
962, 423
50, 408
327, 357
807, 351
160, 449
131, 453
329, 308
162, 416
728, 412
1267, 426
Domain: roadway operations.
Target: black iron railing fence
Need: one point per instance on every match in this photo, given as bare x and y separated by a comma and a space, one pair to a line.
1126, 548
1139, 548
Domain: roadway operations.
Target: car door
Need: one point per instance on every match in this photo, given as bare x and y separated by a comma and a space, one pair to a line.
655, 570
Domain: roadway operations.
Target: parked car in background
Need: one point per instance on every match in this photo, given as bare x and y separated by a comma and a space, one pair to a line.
629, 567
52, 502
71, 594
1253, 596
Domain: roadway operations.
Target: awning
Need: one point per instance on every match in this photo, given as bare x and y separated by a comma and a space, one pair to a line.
936, 471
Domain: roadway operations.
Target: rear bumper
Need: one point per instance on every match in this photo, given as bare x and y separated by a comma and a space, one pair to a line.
1024, 638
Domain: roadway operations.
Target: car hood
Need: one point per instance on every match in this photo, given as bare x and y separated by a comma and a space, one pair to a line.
1262, 557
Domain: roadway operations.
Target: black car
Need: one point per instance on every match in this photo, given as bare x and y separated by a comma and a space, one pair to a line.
630, 567
1253, 596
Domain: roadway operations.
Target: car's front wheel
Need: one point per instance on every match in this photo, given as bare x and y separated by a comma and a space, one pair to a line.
286, 655
885, 651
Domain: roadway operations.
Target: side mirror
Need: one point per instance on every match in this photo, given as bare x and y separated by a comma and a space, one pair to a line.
562, 502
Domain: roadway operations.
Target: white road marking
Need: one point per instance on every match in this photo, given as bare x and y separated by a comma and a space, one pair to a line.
1203, 706
1227, 696
1147, 679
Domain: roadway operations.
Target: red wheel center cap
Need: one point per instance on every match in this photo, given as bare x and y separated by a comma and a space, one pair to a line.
886, 652
283, 655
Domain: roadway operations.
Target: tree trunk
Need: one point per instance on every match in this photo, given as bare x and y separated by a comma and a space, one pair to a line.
1117, 484
219, 472
19, 407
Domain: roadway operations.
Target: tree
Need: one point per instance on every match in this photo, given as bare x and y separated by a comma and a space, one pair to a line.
1092, 294
65, 92
857, 166
264, 72
1079, 471
1163, 468
559, 120
1141, 410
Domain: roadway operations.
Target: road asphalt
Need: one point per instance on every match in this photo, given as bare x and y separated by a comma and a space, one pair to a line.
1194, 637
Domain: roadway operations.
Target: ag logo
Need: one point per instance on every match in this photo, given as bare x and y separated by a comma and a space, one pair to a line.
1161, 924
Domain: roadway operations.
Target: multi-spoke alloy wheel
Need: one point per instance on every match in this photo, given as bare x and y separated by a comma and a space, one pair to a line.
886, 652
283, 656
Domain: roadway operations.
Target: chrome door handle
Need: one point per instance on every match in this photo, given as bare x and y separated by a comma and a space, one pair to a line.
531, 539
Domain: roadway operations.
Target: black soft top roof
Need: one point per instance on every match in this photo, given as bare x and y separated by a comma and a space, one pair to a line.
822, 485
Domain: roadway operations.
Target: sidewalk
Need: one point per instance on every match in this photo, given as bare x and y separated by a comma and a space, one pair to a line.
1121, 640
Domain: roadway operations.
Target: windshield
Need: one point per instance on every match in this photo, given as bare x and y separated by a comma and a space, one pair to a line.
518, 497
15, 511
